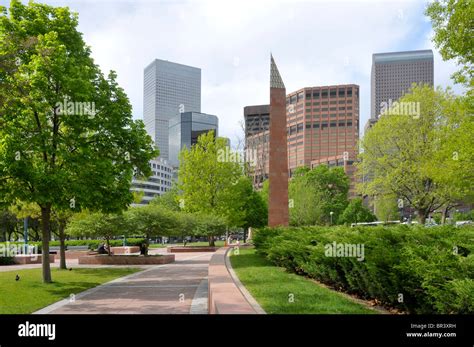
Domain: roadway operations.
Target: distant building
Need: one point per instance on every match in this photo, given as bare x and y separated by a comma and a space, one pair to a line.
184, 130
169, 89
322, 126
257, 123
393, 74
257, 119
157, 184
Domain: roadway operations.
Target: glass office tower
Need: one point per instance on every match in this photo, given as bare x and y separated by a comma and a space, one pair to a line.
184, 130
169, 89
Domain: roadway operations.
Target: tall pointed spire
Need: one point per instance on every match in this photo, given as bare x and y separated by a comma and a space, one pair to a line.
275, 78
278, 152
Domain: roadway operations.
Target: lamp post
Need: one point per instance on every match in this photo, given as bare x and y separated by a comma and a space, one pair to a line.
331, 213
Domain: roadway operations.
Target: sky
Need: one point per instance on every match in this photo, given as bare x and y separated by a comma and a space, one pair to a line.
314, 43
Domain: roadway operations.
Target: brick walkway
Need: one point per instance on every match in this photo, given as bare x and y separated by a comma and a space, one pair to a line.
176, 288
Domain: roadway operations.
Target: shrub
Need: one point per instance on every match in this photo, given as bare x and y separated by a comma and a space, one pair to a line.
6, 261
92, 244
432, 268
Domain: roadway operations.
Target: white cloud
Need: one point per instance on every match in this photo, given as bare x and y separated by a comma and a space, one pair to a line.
313, 42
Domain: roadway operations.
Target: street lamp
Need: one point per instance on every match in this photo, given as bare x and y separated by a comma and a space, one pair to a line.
331, 213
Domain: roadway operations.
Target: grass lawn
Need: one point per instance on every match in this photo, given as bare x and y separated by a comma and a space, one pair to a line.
272, 287
157, 245
29, 294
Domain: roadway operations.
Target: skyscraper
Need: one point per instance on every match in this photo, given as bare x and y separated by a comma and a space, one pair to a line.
168, 90
322, 128
184, 130
393, 75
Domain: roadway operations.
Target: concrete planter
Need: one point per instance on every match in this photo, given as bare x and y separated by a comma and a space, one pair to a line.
125, 250
23, 259
72, 255
104, 259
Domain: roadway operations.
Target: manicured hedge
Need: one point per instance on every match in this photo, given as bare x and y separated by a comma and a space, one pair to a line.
92, 244
432, 267
6, 261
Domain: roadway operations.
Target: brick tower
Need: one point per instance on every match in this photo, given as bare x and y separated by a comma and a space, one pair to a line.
278, 152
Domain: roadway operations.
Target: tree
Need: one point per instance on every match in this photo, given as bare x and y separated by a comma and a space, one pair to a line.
98, 224
67, 137
315, 193
210, 226
452, 22
247, 207
356, 212
152, 221
169, 199
207, 178
8, 223
424, 159
188, 223
386, 208
30, 211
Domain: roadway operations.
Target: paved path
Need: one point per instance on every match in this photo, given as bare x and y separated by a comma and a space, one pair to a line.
176, 288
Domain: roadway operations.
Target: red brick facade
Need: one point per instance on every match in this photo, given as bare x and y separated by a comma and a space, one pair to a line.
278, 160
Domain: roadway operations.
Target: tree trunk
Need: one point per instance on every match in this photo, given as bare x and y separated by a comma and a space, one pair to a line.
444, 215
211, 241
144, 248
422, 217
245, 234
62, 247
45, 219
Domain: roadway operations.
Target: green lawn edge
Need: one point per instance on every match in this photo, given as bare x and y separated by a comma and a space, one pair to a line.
280, 292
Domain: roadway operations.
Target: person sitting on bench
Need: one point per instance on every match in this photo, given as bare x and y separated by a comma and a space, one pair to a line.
102, 249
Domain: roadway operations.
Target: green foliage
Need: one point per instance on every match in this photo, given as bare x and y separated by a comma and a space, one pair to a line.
209, 225
316, 193
425, 159
249, 209
386, 208
98, 224
6, 261
169, 199
207, 184
92, 243
453, 22
259, 276
49, 156
56, 156
152, 221
433, 268
356, 212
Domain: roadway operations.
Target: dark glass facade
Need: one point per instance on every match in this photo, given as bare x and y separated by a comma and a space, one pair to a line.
185, 129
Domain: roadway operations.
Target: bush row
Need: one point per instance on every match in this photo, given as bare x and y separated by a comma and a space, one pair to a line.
416, 269
92, 244
6, 261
